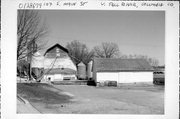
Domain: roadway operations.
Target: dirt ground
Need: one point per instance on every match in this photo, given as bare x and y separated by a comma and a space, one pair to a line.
106, 100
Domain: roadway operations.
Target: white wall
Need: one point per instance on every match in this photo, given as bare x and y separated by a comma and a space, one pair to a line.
58, 77
48, 76
125, 77
104, 76
131, 77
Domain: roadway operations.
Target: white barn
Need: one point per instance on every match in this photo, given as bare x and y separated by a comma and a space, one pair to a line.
58, 65
122, 70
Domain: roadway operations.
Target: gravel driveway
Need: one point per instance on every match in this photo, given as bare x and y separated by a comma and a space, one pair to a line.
109, 100
83, 99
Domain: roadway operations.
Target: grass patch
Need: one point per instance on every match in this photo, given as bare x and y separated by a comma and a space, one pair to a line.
44, 93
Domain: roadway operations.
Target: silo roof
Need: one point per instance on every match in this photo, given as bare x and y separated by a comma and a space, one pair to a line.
81, 64
90, 62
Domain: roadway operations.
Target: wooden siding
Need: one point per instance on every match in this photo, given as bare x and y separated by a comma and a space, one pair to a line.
53, 53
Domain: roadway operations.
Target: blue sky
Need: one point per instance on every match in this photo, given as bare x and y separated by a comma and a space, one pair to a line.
135, 32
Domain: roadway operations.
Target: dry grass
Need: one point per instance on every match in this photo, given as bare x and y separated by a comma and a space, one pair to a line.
44, 93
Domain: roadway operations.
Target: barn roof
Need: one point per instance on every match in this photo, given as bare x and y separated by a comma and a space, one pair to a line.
108, 64
56, 45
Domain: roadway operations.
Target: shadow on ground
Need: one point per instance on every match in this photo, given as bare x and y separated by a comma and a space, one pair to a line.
44, 93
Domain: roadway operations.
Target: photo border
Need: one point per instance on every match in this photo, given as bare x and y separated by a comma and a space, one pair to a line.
8, 64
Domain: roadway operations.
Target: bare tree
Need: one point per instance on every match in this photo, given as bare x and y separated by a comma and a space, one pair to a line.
107, 50
79, 52
30, 29
151, 61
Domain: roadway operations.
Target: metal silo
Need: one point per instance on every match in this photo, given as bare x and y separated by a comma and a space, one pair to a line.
37, 60
37, 65
89, 70
81, 70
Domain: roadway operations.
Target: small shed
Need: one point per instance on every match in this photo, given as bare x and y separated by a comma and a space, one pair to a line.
122, 70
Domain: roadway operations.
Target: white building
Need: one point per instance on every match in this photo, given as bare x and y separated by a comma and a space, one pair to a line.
122, 70
58, 65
